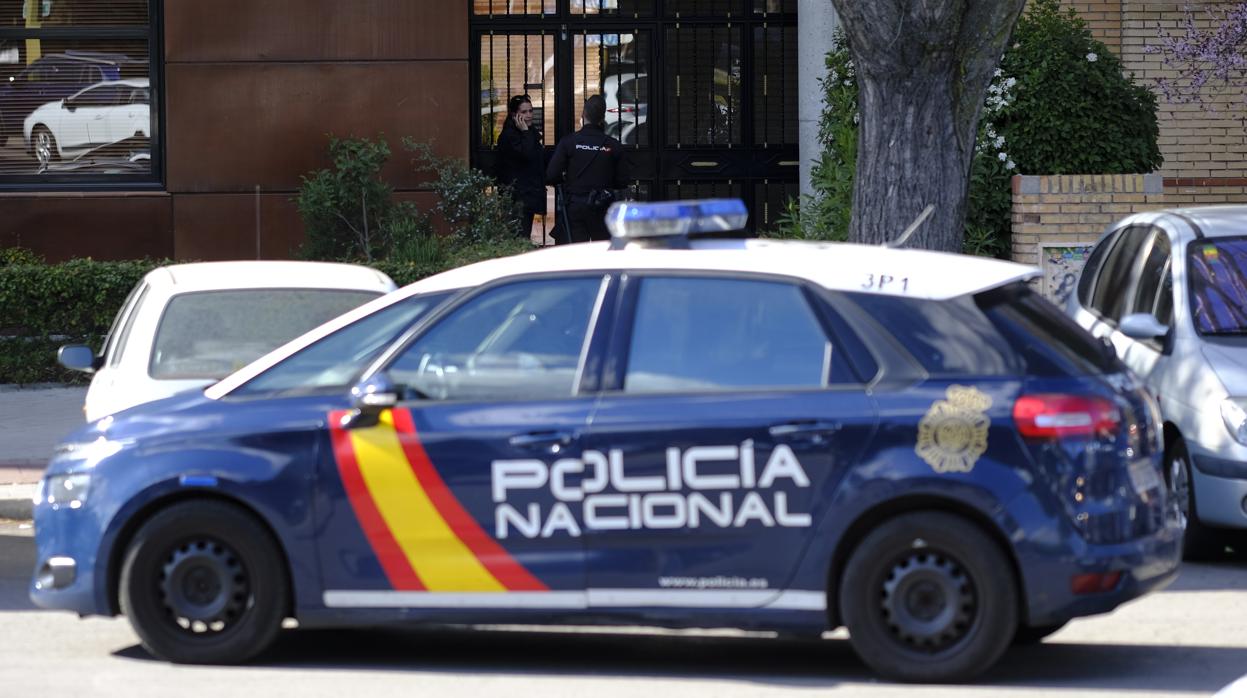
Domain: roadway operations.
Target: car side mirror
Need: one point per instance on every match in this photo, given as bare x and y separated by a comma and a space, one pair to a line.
369, 399
70, 105
78, 357
1142, 326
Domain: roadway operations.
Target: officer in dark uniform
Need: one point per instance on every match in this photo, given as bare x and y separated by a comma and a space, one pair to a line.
590, 166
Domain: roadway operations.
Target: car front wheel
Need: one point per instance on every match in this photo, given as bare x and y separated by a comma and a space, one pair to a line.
44, 146
1199, 542
929, 597
203, 583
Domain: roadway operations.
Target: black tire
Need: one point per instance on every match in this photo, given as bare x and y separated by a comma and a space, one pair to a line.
1034, 634
1199, 542
203, 583
960, 609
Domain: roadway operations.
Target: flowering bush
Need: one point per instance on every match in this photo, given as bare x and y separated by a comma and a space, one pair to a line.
1073, 111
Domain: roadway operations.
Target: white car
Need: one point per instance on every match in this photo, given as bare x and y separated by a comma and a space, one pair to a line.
1169, 290
104, 113
186, 326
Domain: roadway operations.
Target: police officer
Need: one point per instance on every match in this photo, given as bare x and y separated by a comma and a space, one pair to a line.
589, 164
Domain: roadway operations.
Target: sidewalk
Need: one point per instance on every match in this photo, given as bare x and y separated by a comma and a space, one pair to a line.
32, 422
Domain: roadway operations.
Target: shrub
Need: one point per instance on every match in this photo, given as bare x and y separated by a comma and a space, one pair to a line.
477, 208
46, 305
345, 210
1074, 111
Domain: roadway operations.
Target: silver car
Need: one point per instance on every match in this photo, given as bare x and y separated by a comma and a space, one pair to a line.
1169, 290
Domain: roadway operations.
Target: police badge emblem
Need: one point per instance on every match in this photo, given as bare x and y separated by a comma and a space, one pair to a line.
953, 433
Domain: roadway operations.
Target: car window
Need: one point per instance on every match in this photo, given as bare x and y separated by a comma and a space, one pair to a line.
211, 334
118, 335
1217, 281
141, 95
337, 360
1155, 268
1112, 288
1086, 282
705, 334
1048, 341
1164, 297
522, 340
97, 97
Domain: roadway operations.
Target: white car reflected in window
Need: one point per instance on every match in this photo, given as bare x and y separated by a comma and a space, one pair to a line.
100, 115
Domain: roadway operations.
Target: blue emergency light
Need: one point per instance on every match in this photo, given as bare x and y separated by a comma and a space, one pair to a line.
631, 220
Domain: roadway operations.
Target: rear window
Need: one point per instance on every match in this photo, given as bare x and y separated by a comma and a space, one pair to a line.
214, 333
1007, 331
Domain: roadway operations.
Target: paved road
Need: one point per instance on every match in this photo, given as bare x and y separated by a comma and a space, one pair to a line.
1189, 640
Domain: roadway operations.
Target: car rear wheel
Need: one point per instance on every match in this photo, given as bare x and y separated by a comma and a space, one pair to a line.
203, 583
44, 144
1199, 541
929, 597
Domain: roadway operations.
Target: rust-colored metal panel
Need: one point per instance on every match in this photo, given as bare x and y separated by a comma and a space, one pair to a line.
313, 30
231, 127
213, 227
244, 226
102, 226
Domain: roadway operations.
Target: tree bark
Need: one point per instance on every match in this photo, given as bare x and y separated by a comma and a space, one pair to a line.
923, 67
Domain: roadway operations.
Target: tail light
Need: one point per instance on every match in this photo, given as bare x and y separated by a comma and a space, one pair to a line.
1050, 416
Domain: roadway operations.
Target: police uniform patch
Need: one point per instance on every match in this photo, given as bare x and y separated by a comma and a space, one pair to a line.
953, 433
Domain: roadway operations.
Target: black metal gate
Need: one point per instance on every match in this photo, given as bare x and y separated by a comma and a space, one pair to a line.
702, 93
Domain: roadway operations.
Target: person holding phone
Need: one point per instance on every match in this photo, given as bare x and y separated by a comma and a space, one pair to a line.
521, 162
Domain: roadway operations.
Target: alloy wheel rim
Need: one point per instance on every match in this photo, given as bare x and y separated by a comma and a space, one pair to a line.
204, 587
43, 148
1180, 490
928, 601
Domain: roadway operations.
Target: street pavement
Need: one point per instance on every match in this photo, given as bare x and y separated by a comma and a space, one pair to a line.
32, 422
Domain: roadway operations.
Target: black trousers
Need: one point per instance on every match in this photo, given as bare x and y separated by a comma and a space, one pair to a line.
586, 222
524, 224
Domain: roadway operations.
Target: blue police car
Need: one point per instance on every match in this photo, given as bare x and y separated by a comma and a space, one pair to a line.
668, 429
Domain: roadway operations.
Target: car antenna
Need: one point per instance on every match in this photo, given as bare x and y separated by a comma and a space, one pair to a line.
922, 217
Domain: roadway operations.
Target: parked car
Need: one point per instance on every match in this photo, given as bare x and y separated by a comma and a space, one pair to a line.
627, 106
663, 430
126, 156
51, 78
96, 117
1169, 290
188, 325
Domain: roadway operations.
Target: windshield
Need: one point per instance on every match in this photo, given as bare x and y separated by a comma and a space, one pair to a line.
1218, 285
336, 360
214, 333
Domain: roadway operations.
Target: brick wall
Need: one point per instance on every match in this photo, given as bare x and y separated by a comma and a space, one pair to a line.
1068, 209
1199, 147
1057, 218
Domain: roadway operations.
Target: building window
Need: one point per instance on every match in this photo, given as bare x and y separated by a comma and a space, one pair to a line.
77, 92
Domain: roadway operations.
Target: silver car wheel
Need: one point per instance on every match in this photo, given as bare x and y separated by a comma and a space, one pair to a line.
45, 147
1180, 488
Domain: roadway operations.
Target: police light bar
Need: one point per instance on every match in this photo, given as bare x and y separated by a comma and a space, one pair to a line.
630, 220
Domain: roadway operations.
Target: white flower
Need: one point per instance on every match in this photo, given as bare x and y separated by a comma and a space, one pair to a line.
1011, 82
999, 141
1092, 58
1004, 157
998, 73
848, 83
857, 117
1009, 165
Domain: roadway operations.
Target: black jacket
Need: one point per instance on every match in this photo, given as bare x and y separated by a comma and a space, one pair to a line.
521, 165
586, 160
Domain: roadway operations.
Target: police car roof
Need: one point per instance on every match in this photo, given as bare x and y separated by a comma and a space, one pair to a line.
835, 266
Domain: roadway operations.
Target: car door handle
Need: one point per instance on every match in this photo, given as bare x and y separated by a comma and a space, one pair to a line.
547, 441
811, 430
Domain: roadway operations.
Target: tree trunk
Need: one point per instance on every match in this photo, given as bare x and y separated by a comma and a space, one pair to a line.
923, 67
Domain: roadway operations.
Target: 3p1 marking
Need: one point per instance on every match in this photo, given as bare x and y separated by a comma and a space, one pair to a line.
880, 282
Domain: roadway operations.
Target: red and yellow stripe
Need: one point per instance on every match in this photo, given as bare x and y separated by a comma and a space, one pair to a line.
423, 537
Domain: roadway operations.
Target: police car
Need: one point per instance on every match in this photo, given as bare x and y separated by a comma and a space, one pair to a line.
666, 429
